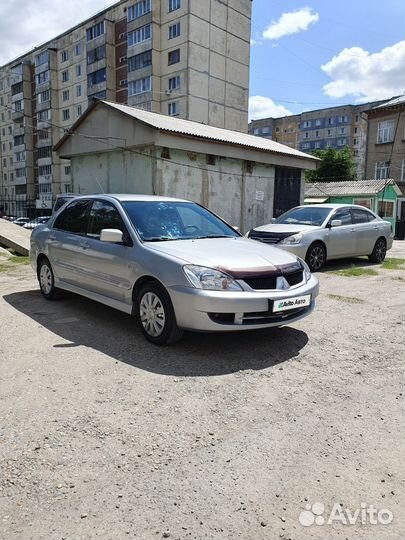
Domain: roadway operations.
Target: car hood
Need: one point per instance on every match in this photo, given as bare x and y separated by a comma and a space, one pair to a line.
229, 254
280, 228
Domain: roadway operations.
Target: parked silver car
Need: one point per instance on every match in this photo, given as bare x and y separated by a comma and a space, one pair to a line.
319, 232
171, 263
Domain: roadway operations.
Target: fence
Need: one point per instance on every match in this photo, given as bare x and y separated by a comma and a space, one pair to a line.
23, 206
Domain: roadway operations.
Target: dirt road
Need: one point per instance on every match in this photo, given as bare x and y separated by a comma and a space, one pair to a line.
103, 435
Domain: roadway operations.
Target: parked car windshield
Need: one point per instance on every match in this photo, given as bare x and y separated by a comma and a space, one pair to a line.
158, 221
304, 216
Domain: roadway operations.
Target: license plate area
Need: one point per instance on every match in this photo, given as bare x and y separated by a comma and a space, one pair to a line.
288, 304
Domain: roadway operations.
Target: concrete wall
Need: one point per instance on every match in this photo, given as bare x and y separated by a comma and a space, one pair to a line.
241, 192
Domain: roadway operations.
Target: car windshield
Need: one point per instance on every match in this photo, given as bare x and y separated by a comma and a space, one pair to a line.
308, 215
159, 221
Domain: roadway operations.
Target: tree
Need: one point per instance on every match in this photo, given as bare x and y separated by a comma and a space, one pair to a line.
335, 165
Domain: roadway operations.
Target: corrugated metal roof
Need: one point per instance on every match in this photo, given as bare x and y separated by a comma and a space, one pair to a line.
202, 131
356, 187
393, 101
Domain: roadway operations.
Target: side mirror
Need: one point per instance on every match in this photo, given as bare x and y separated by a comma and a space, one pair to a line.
114, 236
336, 223
273, 220
236, 228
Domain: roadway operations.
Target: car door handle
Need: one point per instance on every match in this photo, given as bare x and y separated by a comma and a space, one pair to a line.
52, 237
84, 245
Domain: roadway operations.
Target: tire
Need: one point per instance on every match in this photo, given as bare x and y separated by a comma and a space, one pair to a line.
379, 252
46, 280
155, 315
316, 256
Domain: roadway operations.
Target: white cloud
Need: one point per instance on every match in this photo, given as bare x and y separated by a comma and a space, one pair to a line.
367, 76
33, 22
264, 107
291, 23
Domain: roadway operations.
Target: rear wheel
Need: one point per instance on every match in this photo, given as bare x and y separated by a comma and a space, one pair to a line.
156, 316
316, 256
379, 252
46, 280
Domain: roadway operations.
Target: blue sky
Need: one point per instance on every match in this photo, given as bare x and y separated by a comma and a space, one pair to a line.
360, 43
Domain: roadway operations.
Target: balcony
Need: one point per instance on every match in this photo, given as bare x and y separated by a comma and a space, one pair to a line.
45, 179
19, 148
44, 161
20, 180
17, 115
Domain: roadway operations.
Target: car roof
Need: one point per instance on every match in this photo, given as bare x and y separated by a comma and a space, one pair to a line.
333, 206
131, 197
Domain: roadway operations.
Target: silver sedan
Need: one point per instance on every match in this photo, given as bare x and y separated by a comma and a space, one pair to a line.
171, 263
328, 231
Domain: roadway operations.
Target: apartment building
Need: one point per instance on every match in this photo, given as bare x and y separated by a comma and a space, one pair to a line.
334, 127
386, 140
186, 58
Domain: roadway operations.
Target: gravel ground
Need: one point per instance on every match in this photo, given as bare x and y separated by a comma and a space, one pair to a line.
103, 435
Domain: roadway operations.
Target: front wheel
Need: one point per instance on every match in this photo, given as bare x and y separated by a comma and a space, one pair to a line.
46, 280
156, 316
316, 256
379, 252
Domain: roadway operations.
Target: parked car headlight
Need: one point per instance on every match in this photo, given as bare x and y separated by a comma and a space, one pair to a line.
294, 239
307, 271
210, 279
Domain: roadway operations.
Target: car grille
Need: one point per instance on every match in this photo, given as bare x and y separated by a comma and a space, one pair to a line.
269, 237
268, 283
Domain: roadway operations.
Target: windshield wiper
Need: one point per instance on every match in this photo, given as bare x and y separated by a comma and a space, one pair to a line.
212, 236
158, 239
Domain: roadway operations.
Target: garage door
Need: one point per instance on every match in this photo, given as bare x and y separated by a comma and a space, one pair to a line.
287, 189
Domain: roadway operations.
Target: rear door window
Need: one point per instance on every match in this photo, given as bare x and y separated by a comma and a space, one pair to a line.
74, 218
359, 216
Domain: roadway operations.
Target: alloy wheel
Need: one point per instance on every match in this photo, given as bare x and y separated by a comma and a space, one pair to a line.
317, 258
380, 251
45, 279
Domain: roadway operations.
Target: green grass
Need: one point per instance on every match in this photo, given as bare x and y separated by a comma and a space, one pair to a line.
393, 264
10, 263
348, 299
355, 271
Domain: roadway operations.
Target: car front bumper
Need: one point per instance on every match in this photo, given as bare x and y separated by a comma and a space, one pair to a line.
217, 311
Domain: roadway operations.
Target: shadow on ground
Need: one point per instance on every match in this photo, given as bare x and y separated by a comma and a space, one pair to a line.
350, 262
82, 322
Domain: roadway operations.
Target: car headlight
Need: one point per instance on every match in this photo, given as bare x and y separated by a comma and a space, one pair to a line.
307, 271
210, 279
294, 239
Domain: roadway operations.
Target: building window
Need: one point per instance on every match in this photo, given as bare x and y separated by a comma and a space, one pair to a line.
174, 30
363, 202
44, 116
174, 57
317, 145
139, 86
317, 122
306, 146
96, 54
18, 106
342, 119
44, 152
42, 77
174, 82
403, 171
356, 118
20, 173
139, 9
43, 134
140, 34
19, 156
140, 61
382, 170
95, 31
67, 188
78, 49
43, 96
45, 188
67, 170
66, 114
306, 136
356, 130
341, 142
329, 132
64, 56
174, 4
330, 121
306, 124
45, 170
78, 70
173, 108
78, 90
96, 77
385, 131
386, 209
42, 58
65, 75
65, 95
79, 110
355, 142
317, 133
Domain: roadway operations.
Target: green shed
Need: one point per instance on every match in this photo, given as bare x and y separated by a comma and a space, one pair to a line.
381, 196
